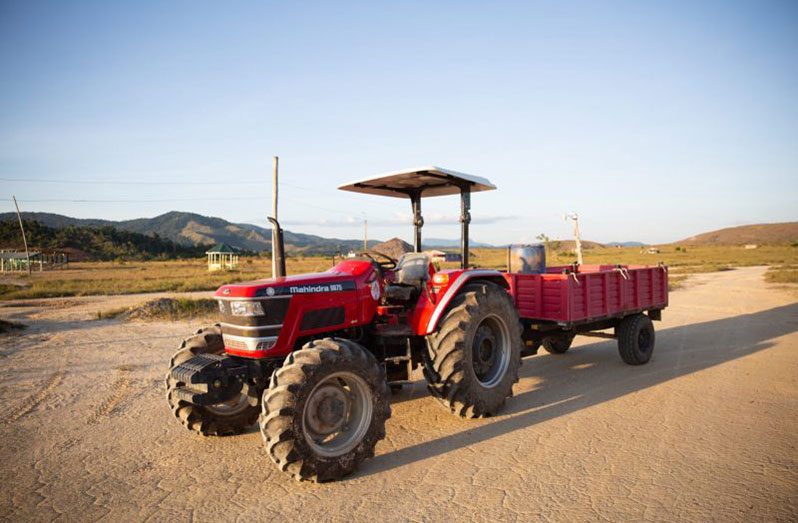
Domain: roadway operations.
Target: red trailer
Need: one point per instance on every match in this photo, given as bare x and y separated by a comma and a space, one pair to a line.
581, 299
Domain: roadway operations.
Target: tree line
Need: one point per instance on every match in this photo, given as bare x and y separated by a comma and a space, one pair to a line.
99, 243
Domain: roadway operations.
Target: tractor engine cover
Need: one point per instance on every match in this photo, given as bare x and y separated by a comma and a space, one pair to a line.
264, 319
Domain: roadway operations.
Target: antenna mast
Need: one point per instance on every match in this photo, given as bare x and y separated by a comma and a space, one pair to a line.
575, 217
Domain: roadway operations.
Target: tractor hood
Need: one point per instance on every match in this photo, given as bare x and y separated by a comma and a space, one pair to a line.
340, 278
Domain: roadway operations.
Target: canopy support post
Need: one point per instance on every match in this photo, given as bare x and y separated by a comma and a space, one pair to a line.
465, 219
418, 220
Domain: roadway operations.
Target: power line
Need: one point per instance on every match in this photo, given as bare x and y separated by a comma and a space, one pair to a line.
162, 200
129, 182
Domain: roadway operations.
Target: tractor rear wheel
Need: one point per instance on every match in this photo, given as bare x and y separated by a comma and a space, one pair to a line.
558, 344
325, 410
473, 359
222, 419
636, 339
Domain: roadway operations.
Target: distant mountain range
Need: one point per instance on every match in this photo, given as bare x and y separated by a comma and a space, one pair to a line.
441, 243
625, 244
191, 230
194, 229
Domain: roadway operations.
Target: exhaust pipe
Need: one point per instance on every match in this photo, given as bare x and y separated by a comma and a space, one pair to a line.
278, 248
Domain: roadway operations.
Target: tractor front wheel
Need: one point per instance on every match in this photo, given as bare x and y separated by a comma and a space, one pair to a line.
222, 419
473, 358
325, 410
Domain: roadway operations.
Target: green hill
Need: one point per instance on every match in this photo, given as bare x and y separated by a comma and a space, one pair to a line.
99, 243
191, 229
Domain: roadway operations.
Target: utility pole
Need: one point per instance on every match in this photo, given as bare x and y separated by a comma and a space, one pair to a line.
274, 212
22, 228
365, 235
575, 217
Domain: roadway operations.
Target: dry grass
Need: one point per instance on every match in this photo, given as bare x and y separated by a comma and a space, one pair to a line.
165, 309
92, 278
192, 275
782, 274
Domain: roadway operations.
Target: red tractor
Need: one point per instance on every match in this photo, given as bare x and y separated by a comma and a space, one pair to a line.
311, 357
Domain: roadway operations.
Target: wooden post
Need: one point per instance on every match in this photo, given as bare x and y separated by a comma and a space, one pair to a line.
275, 169
24, 240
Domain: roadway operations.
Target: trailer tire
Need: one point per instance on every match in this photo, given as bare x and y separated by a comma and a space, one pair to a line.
558, 344
325, 410
218, 420
636, 339
473, 358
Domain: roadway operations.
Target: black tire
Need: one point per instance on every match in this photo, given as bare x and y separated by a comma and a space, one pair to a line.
287, 418
636, 339
530, 350
558, 344
475, 384
222, 420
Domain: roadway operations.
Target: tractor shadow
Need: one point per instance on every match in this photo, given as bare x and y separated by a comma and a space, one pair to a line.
594, 373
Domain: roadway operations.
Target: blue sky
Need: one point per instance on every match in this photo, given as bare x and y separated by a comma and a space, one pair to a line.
652, 120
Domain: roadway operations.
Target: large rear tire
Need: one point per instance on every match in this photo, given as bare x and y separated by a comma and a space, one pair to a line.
473, 358
223, 419
325, 410
636, 339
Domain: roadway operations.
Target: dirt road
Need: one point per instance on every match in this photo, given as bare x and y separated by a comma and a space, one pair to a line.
707, 430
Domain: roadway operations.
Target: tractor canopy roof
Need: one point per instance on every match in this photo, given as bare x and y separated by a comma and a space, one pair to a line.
425, 181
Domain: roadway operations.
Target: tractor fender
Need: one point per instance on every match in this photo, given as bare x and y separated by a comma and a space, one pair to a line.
465, 277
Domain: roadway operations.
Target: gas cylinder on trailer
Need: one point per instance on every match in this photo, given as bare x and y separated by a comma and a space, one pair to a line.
527, 259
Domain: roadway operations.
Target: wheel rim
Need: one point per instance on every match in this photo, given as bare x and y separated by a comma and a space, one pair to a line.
337, 414
644, 340
490, 351
231, 407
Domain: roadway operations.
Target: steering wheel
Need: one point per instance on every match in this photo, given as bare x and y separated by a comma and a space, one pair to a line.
385, 262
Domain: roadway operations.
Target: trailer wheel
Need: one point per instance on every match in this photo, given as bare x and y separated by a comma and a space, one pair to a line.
472, 360
558, 344
325, 410
223, 419
636, 339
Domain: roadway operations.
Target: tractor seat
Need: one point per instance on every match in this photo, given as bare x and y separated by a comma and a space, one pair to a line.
410, 276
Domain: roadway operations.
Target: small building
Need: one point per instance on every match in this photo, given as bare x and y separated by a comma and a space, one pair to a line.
16, 261
652, 250
750, 246
222, 257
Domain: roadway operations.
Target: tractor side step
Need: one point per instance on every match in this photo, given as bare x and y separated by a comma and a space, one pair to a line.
394, 330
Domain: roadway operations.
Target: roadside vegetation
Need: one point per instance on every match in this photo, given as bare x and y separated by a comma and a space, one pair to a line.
164, 309
131, 277
782, 274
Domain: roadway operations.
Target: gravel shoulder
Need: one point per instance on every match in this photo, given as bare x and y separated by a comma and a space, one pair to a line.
708, 430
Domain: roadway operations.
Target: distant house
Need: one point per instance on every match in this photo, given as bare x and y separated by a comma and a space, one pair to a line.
751, 246
652, 250
222, 257
16, 261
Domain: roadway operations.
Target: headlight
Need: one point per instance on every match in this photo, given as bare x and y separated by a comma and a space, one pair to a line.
246, 308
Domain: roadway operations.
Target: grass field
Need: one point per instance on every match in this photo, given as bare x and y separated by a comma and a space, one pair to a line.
92, 278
